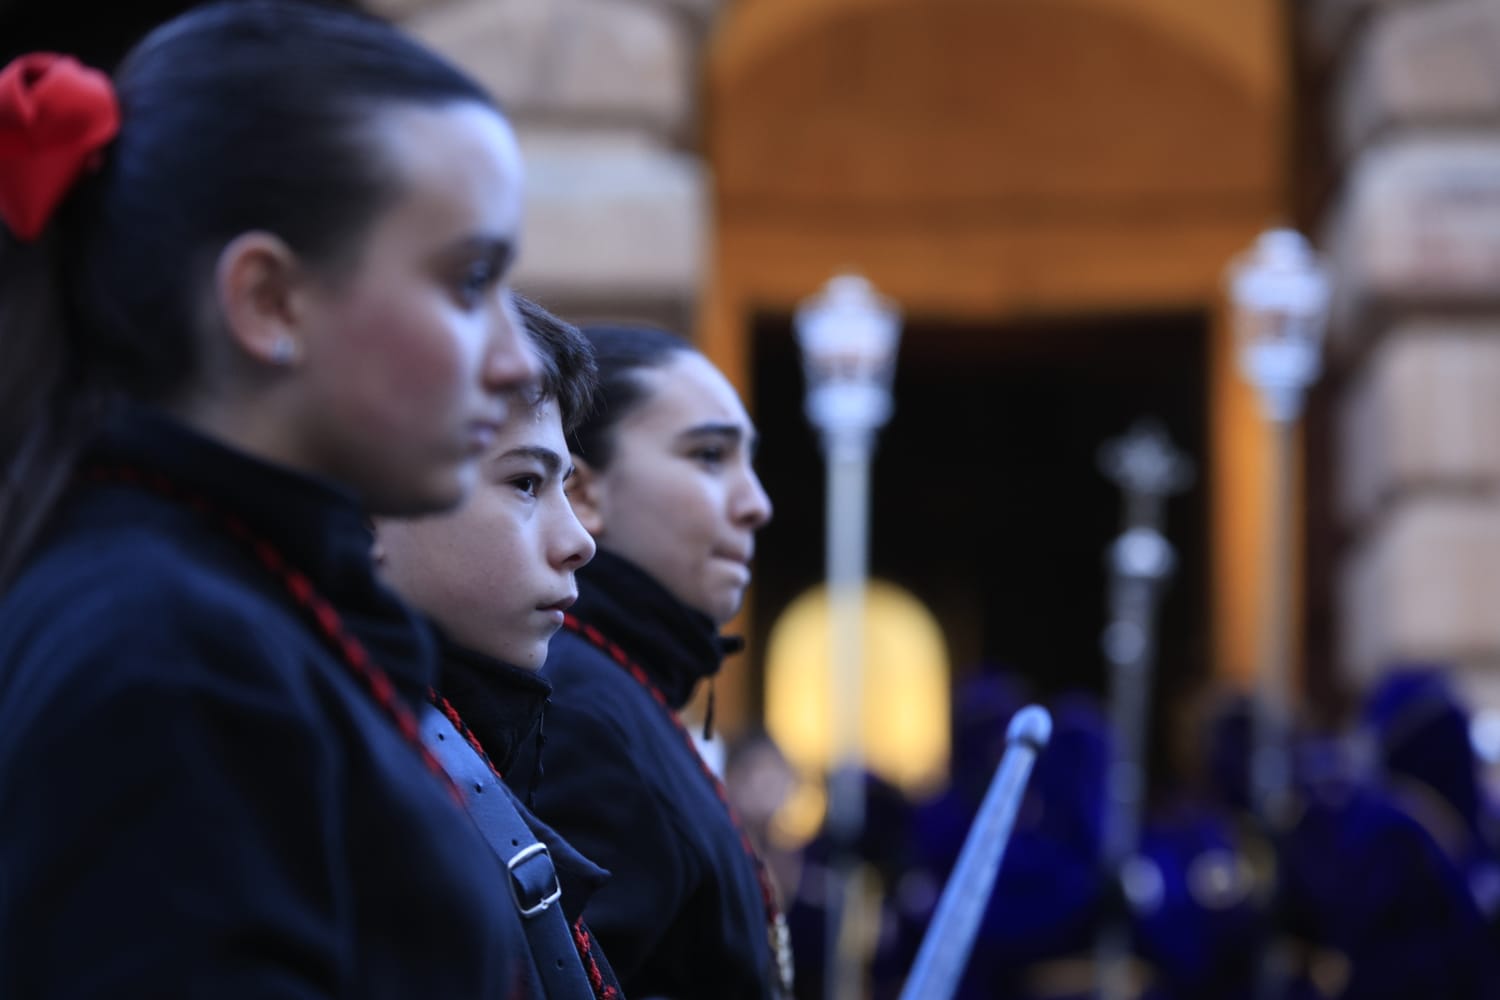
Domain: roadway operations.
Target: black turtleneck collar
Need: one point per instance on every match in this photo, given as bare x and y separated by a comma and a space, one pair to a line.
674, 644
501, 704
315, 526
319, 528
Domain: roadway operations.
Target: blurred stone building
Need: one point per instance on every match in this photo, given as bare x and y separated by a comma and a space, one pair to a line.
607, 97
1020, 170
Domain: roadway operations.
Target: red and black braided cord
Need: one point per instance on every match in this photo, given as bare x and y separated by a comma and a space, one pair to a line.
325, 618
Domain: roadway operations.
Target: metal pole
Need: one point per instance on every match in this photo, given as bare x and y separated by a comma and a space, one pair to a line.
1130, 646
950, 937
847, 553
1270, 756
1140, 562
1271, 772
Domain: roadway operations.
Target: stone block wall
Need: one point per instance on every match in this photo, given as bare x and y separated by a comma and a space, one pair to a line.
604, 96
1414, 230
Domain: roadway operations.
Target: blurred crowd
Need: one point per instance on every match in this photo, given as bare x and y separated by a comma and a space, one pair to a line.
1383, 880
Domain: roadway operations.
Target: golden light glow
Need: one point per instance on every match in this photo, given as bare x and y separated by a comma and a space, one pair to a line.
801, 817
906, 687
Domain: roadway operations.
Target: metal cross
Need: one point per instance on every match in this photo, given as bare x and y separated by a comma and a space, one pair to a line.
1147, 469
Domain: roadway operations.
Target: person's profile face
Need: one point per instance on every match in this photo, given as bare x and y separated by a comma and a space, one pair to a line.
497, 574
680, 497
413, 350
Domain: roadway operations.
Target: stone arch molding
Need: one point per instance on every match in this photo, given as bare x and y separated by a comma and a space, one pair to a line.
1224, 33
1076, 101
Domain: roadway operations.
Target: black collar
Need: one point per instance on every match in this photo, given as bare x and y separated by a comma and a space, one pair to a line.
314, 525
501, 704
674, 644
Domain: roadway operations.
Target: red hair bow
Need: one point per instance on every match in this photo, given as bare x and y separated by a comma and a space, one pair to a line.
55, 116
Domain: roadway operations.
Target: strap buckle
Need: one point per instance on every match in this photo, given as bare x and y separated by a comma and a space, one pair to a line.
542, 896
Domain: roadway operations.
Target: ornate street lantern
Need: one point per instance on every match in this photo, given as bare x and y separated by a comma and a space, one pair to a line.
848, 335
1280, 293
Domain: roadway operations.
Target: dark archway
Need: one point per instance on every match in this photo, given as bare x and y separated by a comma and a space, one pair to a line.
987, 500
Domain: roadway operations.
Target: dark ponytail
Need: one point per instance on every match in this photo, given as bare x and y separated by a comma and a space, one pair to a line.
621, 353
256, 115
45, 415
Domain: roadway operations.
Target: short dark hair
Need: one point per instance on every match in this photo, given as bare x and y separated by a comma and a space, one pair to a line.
621, 353
569, 372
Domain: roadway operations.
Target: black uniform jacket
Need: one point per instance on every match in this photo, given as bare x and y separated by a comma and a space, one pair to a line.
501, 706
197, 797
682, 915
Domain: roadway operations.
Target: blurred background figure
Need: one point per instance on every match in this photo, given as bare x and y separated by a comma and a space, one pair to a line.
1422, 735
761, 784
1355, 897
881, 927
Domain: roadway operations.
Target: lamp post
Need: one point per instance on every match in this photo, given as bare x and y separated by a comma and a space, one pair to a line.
1148, 470
1280, 293
848, 335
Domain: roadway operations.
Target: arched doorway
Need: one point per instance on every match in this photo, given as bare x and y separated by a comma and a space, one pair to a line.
997, 165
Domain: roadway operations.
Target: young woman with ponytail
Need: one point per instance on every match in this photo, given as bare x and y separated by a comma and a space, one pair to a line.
666, 485
252, 292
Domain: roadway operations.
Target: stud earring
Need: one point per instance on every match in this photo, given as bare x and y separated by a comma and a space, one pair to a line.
283, 351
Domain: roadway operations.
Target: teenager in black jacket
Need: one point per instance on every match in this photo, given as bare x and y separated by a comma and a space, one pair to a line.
497, 576
252, 291
666, 487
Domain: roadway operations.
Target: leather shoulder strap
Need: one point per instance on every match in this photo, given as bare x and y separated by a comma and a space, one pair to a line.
530, 875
